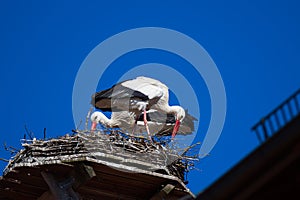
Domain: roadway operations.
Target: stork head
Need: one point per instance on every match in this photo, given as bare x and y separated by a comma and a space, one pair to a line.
97, 117
180, 113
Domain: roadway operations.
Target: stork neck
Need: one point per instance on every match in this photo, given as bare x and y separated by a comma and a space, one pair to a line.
172, 109
178, 111
104, 120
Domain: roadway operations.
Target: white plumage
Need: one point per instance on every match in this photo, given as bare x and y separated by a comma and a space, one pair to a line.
136, 96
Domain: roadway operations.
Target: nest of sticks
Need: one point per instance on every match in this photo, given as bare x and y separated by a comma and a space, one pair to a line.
111, 143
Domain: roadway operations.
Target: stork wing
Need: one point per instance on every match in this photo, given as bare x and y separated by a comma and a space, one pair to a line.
119, 96
116, 97
150, 87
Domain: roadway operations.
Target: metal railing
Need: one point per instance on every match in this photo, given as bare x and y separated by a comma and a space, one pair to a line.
278, 118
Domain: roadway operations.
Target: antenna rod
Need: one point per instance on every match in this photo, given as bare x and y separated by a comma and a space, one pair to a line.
27, 132
44, 133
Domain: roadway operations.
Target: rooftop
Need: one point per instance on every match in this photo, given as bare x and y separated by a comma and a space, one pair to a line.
271, 171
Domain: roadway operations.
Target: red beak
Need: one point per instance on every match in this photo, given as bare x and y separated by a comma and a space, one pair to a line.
176, 127
94, 125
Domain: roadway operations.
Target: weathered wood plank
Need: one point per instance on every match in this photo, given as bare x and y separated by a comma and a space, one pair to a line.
58, 191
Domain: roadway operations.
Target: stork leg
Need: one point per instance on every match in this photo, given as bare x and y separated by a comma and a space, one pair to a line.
146, 125
133, 129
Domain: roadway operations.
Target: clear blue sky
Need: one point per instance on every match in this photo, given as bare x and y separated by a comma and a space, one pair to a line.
255, 45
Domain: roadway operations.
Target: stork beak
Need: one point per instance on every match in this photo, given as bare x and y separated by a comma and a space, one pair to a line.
94, 125
176, 127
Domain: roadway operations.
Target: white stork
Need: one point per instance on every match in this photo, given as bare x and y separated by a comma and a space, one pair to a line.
138, 95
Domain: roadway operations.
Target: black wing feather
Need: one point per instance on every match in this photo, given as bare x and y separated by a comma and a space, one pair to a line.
119, 94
